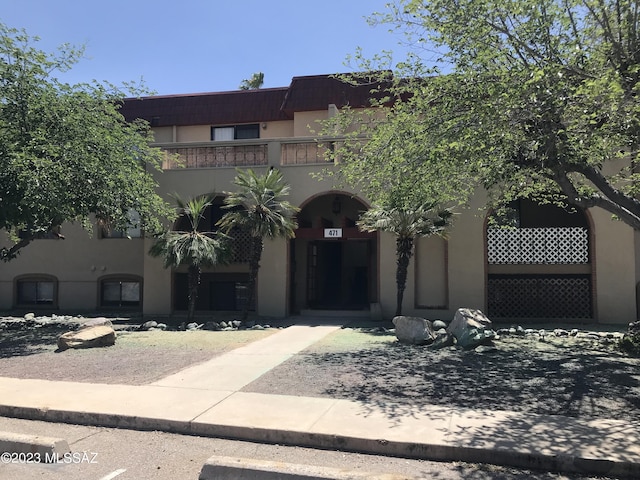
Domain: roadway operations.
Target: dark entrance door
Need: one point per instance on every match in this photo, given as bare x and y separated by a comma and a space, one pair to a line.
338, 274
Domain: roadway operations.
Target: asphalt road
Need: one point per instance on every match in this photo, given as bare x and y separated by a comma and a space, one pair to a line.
114, 454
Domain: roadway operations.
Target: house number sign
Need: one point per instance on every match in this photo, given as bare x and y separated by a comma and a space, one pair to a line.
332, 233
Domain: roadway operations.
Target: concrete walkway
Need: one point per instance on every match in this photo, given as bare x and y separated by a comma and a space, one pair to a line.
205, 400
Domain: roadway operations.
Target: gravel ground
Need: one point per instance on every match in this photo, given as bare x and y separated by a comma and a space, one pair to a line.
560, 375
565, 375
137, 358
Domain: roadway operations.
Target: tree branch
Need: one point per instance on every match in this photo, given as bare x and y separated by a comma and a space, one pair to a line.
574, 198
7, 254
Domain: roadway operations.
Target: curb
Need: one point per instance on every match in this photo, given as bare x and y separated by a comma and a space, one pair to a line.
414, 450
231, 468
32, 448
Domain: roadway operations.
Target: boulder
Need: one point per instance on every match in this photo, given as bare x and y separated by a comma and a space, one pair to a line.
443, 339
97, 336
414, 330
148, 325
471, 328
438, 324
94, 322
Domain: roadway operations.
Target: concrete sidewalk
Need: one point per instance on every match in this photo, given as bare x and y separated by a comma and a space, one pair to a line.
205, 400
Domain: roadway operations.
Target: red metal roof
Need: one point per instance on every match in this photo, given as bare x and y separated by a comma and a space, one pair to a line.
247, 106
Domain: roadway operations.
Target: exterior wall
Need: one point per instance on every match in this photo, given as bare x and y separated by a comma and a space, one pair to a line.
307, 124
195, 133
615, 275
442, 277
78, 263
282, 129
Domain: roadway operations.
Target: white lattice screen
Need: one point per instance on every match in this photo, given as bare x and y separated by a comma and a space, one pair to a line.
559, 245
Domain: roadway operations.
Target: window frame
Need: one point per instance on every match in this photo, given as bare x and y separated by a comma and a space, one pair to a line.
237, 131
35, 278
120, 279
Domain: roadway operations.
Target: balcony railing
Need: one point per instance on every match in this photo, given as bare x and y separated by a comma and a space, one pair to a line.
304, 153
246, 154
217, 156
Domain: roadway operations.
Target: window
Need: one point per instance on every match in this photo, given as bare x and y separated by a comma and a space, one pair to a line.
236, 132
33, 291
120, 293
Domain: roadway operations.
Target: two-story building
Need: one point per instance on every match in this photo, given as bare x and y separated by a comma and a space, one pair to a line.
553, 266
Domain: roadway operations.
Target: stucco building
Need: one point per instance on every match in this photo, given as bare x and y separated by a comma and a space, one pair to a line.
554, 265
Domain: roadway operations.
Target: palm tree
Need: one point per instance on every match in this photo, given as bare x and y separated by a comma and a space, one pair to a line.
191, 247
253, 83
258, 207
406, 224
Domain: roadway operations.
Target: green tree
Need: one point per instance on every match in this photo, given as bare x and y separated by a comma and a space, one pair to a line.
253, 83
539, 98
66, 152
258, 206
191, 247
407, 224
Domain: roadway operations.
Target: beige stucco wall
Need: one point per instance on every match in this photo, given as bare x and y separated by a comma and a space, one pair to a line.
193, 133
615, 272
282, 129
78, 262
307, 124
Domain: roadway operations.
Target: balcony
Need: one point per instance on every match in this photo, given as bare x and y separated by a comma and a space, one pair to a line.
216, 156
252, 153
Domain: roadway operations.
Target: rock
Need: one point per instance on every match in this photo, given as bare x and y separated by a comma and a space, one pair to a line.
559, 332
520, 330
471, 328
95, 322
148, 325
214, 326
438, 324
29, 316
96, 336
573, 332
223, 325
414, 330
257, 327
443, 339
192, 326
486, 348
161, 326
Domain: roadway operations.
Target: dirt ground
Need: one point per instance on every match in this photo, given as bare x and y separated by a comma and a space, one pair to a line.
137, 358
561, 375
565, 375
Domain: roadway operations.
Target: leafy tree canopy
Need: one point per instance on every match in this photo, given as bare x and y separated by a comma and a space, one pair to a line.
253, 83
66, 152
527, 98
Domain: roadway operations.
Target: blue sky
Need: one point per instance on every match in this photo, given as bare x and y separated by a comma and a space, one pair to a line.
194, 46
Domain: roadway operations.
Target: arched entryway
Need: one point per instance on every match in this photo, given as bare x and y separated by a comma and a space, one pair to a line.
333, 266
539, 263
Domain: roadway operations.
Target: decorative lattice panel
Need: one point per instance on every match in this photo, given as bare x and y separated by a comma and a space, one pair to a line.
303, 153
539, 296
220, 156
241, 245
561, 245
